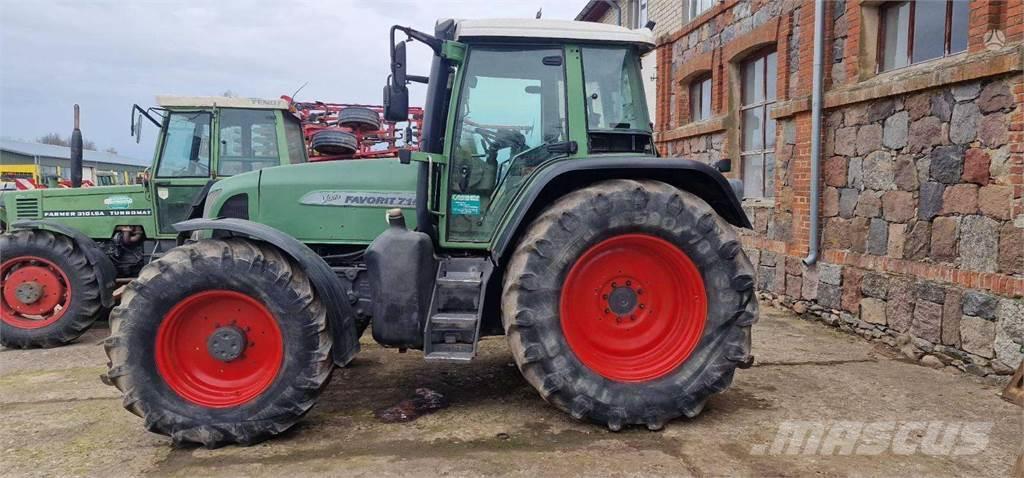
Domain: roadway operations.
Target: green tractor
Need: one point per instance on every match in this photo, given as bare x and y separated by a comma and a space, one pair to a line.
538, 209
65, 249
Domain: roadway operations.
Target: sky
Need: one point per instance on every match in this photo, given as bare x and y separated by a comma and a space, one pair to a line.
108, 55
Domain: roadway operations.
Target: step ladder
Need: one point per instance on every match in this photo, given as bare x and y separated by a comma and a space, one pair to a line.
453, 327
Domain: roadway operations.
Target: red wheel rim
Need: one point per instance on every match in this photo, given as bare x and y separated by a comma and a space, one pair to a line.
633, 308
185, 361
36, 292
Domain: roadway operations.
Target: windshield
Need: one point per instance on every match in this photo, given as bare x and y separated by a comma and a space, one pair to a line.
186, 146
615, 97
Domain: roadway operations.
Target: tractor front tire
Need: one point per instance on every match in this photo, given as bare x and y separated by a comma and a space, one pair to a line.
50, 291
629, 302
220, 342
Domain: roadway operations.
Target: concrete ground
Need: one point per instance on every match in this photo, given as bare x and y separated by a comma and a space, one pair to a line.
57, 419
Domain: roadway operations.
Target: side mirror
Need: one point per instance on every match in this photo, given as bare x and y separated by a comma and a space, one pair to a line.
396, 93
398, 75
137, 129
396, 102
723, 165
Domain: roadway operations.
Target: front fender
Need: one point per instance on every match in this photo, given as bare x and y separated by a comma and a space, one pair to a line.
106, 273
340, 317
553, 181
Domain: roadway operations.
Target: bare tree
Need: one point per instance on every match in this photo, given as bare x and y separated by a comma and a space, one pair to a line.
111, 150
58, 140
54, 139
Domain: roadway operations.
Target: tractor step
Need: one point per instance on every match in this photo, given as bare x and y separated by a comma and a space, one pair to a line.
453, 328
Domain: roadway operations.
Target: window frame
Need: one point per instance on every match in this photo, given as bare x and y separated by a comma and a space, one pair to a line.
947, 42
642, 15
457, 102
635, 81
244, 141
765, 105
696, 12
696, 107
161, 159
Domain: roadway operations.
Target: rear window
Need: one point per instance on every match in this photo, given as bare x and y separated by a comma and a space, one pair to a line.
248, 141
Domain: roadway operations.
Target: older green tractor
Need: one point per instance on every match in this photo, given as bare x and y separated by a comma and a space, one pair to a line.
538, 209
64, 249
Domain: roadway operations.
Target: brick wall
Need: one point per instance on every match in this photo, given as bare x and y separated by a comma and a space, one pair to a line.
923, 177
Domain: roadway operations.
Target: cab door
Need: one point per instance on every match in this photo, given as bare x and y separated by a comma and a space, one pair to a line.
184, 166
510, 113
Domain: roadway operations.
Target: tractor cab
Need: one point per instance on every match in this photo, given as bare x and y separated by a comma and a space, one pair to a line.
506, 97
203, 139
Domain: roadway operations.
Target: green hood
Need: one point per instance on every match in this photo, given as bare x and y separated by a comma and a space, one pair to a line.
340, 202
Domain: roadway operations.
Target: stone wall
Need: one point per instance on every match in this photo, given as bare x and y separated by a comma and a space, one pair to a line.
922, 204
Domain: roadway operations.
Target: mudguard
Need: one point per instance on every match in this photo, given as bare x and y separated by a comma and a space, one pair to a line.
339, 312
560, 177
105, 270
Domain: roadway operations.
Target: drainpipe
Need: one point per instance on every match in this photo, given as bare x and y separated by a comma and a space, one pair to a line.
618, 10
816, 108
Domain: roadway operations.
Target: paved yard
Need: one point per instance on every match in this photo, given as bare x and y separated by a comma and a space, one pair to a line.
59, 420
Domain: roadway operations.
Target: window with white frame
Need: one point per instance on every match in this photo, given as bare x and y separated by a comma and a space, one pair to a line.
700, 98
757, 140
700, 6
641, 13
916, 31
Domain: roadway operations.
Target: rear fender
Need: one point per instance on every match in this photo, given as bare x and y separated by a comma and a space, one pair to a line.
339, 313
564, 176
106, 274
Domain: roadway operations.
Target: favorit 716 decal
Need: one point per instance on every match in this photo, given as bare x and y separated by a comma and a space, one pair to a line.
359, 199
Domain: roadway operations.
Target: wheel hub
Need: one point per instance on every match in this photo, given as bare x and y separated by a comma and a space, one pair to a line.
28, 292
633, 307
219, 348
623, 301
226, 343
35, 292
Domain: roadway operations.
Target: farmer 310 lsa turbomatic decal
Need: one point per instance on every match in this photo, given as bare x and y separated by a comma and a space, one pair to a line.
539, 211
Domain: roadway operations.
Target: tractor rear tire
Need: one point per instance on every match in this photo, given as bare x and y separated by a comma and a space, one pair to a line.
359, 119
51, 293
219, 342
332, 141
629, 302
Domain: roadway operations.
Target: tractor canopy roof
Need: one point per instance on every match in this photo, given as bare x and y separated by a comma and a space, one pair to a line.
517, 28
219, 102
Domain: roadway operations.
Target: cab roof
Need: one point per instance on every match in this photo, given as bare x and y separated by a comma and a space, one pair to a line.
219, 101
554, 29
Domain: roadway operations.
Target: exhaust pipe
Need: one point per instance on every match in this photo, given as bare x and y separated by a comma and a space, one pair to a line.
76, 153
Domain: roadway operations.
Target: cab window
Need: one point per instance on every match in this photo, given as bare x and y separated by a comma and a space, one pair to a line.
296, 144
248, 141
186, 146
615, 98
512, 105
